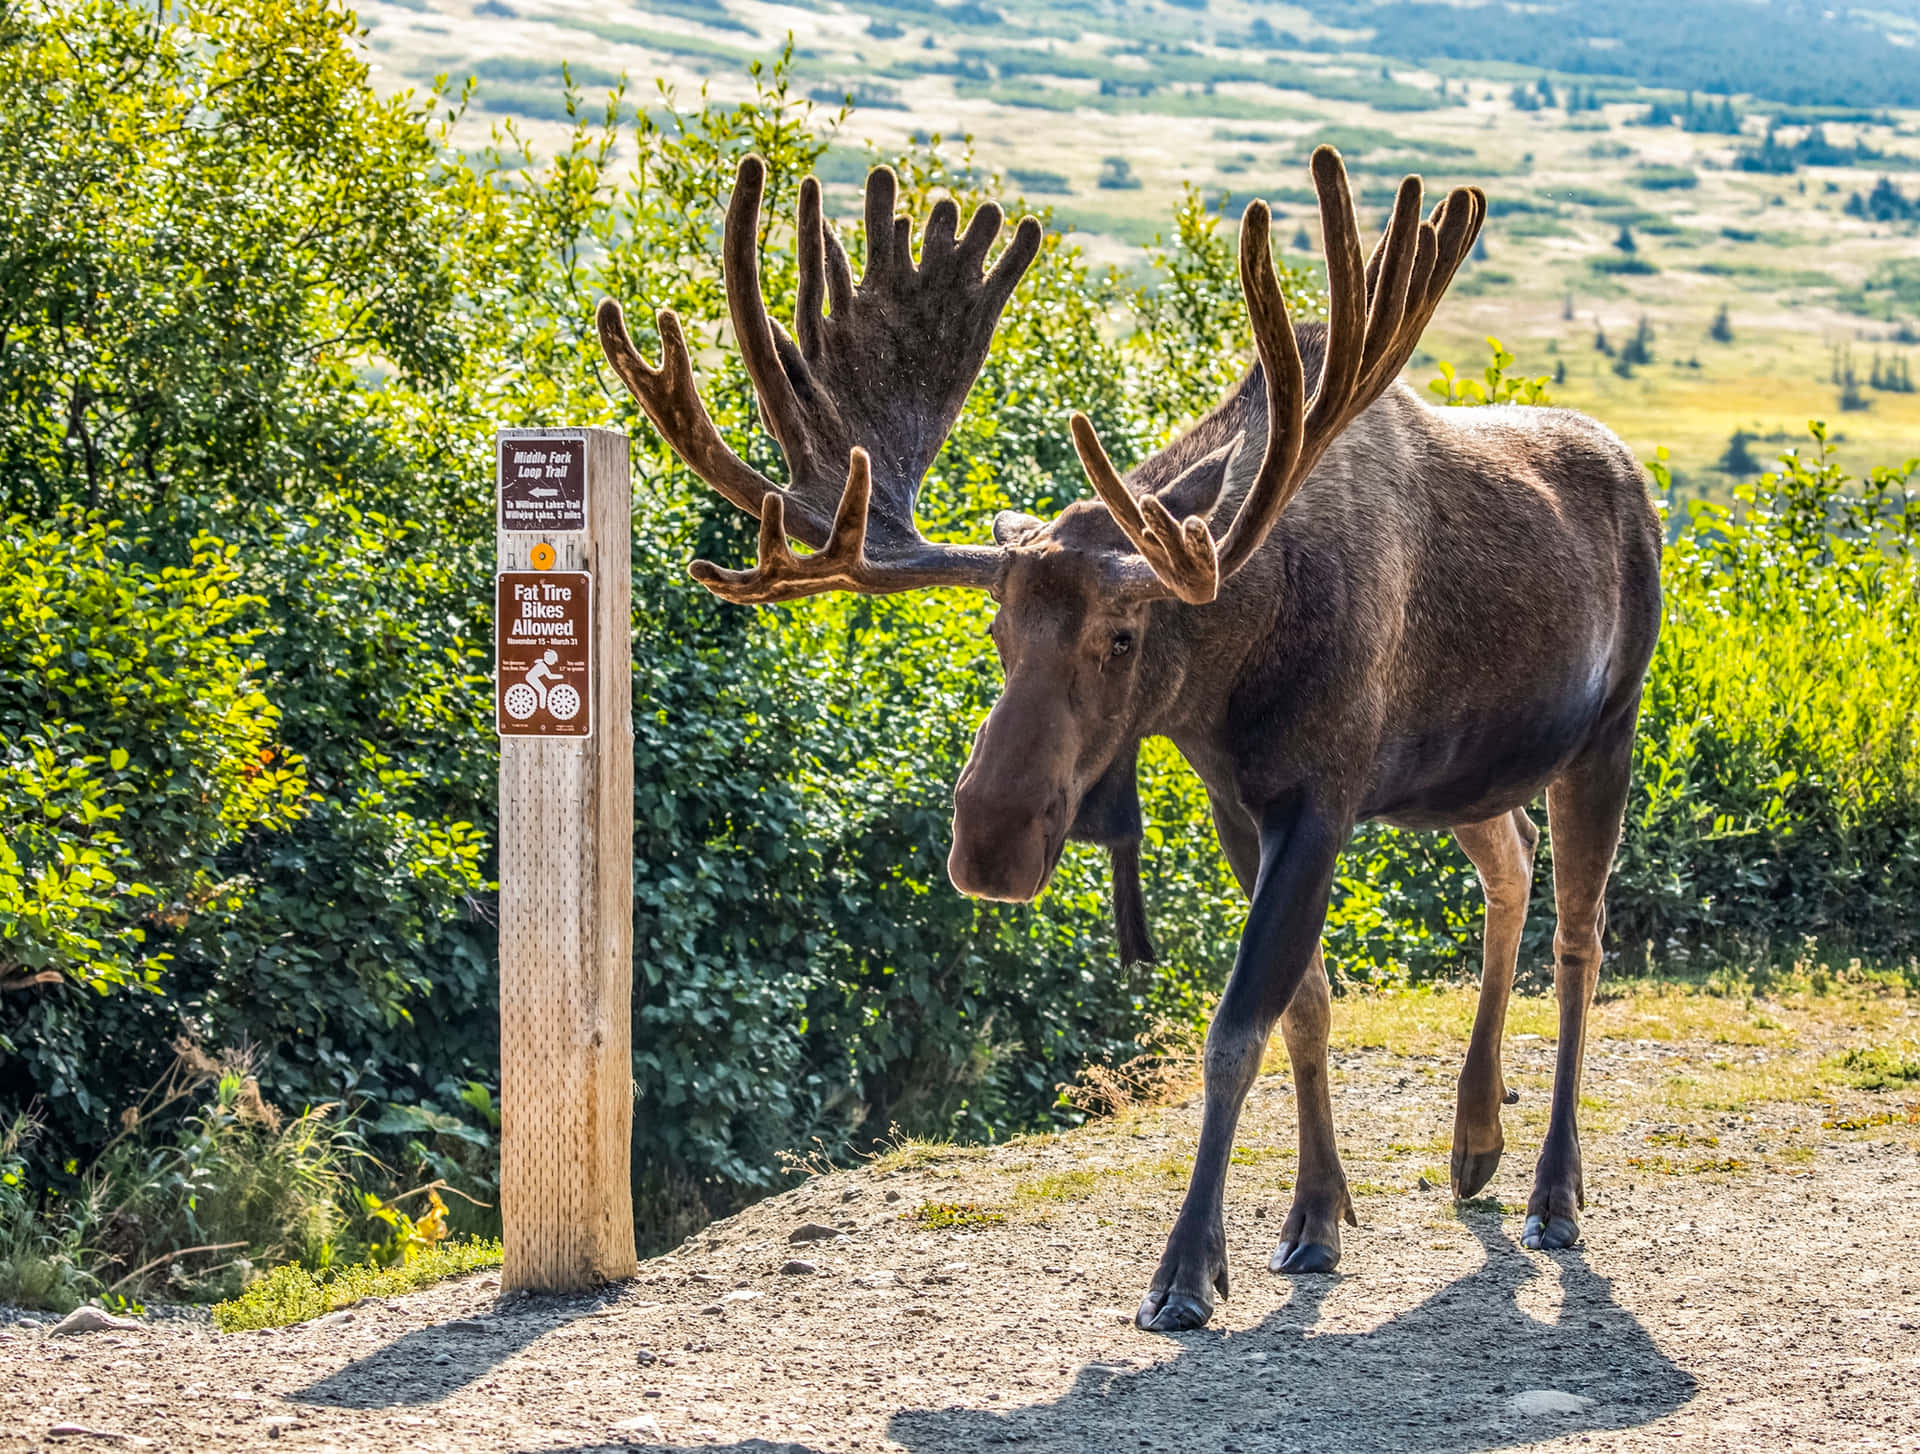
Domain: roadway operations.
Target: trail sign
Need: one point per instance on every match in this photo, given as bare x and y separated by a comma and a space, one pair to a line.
543, 481
543, 653
563, 706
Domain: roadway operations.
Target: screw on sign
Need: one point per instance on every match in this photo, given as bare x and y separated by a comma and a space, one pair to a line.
542, 662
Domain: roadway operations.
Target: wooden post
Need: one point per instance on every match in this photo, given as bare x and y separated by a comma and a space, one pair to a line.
564, 699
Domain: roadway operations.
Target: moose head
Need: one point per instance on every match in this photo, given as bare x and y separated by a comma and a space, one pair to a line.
861, 396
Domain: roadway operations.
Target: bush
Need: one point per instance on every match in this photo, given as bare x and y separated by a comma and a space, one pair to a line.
135, 748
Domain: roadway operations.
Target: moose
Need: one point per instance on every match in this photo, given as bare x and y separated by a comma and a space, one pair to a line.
1340, 604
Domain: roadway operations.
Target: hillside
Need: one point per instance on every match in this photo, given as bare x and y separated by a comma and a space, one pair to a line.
1616, 198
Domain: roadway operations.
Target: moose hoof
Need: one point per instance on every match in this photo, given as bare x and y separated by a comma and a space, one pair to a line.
1549, 1233
1473, 1170
1173, 1311
1295, 1257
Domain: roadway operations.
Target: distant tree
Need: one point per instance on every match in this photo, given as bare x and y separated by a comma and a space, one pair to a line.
1116, 175
1893, 378
1885, 203
1639, 348
1721, 329
1600, 338
1625, 241
1479, 253
1737, 459
1852, 401
1301, 242
1566, 307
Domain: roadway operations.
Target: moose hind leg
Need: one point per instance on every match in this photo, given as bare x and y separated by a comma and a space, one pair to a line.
1502, 851
1310, 1240
1585, 807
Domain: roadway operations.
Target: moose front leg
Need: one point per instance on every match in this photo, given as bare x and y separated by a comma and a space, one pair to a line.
1279, 945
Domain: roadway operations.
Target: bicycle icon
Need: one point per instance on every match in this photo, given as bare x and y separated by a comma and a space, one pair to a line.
527, 696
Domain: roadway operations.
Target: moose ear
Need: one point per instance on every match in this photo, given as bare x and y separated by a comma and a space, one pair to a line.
1196, 490
1010, 526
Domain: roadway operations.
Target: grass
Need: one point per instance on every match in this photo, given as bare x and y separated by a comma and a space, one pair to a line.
950, 1216
291, 1294
1060, 1186
1881, 1067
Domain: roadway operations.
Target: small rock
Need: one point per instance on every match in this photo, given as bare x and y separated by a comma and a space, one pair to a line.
491, 1280
646, 1356
442, 1359
893, 1196
91, 1320
713, 1309
1548, 1403
876, 1279
333, 1320
471, 1325
812, 1232
645, 1425
81, 1431
850, 1194
794, 1267
739, 1295
1424, 1184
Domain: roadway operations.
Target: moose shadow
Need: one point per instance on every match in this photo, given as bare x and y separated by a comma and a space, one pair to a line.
1440, 1377
409, 1370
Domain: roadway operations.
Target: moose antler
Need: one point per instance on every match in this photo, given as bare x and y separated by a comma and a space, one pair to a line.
1376, 313
859, 405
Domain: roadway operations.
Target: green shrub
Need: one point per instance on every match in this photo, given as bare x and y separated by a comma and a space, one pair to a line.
293, 1295
135, 747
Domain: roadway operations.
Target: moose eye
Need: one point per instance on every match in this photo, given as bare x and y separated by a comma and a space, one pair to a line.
1122, 642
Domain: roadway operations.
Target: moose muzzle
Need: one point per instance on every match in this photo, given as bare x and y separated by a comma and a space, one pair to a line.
1010, 815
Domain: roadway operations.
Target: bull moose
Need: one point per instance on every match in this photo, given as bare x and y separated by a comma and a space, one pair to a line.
1339, 603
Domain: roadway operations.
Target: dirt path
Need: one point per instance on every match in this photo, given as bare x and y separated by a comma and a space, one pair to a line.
1750, 1280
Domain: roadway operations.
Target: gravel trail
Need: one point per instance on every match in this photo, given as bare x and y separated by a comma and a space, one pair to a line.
1750, 1279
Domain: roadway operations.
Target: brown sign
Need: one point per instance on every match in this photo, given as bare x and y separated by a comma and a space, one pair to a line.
543, 665
543, 484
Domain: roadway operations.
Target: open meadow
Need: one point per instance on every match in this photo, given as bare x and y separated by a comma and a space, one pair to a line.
1615, 198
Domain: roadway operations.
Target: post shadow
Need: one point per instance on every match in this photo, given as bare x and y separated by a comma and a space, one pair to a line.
1436, 1378
404, 1374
